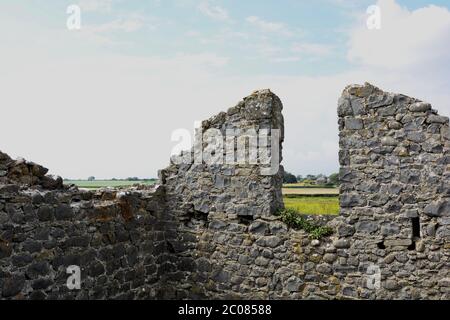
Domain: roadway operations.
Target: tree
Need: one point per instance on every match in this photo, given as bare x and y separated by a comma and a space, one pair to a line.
334, 179
91, 178
289, 178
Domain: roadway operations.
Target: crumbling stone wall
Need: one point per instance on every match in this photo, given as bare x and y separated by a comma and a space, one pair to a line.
211, 232
196, 187
208, 200
115, 237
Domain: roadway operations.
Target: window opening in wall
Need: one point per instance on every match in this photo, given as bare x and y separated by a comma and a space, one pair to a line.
415, 228
311, 194
246, 220
381, 245
415, 232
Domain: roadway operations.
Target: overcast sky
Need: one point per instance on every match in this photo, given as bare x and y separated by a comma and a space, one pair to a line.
105, 99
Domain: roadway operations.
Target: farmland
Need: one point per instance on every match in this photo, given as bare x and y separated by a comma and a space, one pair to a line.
307, 199
313, 204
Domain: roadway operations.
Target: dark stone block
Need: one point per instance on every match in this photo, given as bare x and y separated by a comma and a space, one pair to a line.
37, 198
37, 269
150, 269
45, 213
21, 260
42, 234
77, 242
50, 244
41, 284
132, 256
70, 260
32, 246
64, 212
258, 227
118, 251
57, 233
38, 295
88, 256
98, 293
18, 218
13, 285
166, 268
186, 264
106, 254
221, 276
96, 269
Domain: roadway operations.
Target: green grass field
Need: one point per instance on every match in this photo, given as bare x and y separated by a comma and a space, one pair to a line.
96, 184
313, 204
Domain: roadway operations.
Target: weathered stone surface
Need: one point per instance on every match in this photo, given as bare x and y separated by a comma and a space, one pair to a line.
366, 226
438, 208
398, 242
437, 119
341, 244
397, 163
389, 141
344, 107
395, 125
329, 258
63, 212
354, 124
13, 285
258, 227
420, 107
352, 200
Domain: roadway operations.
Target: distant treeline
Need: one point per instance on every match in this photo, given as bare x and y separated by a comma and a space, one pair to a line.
313, 180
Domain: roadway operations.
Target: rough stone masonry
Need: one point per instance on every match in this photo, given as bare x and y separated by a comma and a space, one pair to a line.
211, 232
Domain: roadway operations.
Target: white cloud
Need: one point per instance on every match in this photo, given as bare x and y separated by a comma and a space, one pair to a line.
223, 36
202, 59
125, 24
107, 33
406, 38
102, 6
315, 49
269, 26
285, 59
213, 11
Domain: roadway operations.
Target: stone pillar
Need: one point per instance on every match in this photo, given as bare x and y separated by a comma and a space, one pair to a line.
238, 188
395, 173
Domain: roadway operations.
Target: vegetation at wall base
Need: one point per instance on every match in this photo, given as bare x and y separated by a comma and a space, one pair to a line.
294, 220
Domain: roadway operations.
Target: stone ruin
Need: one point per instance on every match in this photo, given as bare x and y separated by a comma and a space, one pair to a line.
211, 232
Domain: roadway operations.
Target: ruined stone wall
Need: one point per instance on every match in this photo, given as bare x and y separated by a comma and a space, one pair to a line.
211, 231
208, 200
115, 237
